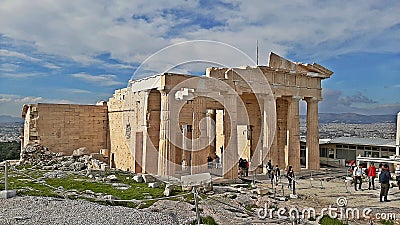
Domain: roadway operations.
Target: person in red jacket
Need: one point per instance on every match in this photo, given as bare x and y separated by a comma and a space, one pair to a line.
371, 176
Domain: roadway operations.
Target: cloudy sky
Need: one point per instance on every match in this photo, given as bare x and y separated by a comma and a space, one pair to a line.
81, 51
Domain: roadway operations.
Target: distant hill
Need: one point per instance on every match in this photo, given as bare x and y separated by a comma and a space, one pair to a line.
10, 119
354, 118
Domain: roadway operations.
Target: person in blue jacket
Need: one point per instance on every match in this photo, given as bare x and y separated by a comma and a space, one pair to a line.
384, 179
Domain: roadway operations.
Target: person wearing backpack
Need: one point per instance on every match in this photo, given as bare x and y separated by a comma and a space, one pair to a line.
357, 173
384, 179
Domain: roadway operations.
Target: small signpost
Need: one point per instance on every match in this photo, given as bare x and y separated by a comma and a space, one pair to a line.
6, 193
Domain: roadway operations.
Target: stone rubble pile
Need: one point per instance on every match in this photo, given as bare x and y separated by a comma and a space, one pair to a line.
41, 157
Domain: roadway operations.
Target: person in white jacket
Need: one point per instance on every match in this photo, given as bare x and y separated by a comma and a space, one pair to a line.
357, 173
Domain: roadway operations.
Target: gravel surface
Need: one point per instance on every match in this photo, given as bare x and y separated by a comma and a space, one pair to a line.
42, 210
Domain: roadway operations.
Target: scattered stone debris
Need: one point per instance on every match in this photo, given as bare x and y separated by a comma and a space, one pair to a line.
121, 186
138, 178
79, 152
55, 174
147, 178
168, 189
112, 177
41, 157
154, 185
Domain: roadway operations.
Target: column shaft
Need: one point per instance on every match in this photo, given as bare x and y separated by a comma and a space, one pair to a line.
164, 143
230, 156
293, 134
312, 151
199, 137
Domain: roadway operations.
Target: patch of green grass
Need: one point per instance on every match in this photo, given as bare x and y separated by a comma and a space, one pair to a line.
208, 220
386, 222
327, 220
250, 207
137, 191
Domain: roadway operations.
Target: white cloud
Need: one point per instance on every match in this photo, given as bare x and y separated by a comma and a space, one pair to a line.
5, 99
7, 53
51, 66
8, 67
19, 75
29, 99
75, 91
102, 80
82, 30
335, 101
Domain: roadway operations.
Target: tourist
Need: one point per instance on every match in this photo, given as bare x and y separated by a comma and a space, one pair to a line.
371, 172
183, 164
357, 173
272, 176
246, 166
209, 161
277, 173
217, 162
269, 168
397, 173
241, 167
290, 176
384, 178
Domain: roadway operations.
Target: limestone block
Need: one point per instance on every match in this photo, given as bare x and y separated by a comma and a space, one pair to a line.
138, 178
201, 180
7, 194
147, 178
262, 191
80, 151
112, 177
168, 189
154, 185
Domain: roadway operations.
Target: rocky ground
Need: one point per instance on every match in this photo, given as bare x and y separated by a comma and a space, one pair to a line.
227, 204
42, 210
230, 202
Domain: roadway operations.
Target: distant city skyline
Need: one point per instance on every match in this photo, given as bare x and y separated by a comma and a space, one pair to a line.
80, 52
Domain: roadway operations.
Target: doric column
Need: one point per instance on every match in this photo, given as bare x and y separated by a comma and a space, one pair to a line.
268, 132
211, 131
164, 143
230, 156
293, 133
199, 137
280, 144
312, 151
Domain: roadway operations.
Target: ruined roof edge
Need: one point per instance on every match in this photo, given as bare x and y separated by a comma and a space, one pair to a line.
276, 61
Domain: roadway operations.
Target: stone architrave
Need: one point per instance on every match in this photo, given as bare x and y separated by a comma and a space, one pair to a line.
312, 151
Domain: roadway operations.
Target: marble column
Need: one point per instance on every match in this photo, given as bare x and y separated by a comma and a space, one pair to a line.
211, 131
312, 150
164, 142
199, 137
293, 120
230, 156
268, 132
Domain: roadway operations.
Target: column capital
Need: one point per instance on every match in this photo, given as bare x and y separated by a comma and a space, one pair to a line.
312, 99
296, 98
163, 91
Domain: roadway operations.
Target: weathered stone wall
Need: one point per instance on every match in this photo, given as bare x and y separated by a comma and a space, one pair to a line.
66, 127
134, 130
120, 155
